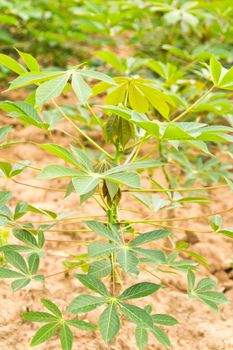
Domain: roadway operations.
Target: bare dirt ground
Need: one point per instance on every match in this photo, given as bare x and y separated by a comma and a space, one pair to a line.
199, 328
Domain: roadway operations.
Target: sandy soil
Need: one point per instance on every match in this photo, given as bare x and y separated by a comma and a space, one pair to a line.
199, 328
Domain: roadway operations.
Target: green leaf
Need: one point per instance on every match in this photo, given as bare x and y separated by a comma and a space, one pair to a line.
215, 70
16, 260
100, 269
104, 231
82, 158
214, 297
85, 303
97, 75
22, 111
33, 263
39, 317
51, 89
227, 80
66, 337
215, 222
164, 319
54, 171
228, 232
127, 260
20, 283
128, 179
33, 78
29, 60
5, 196
6, 169
157, 99
141, 337
94, 284
137, 100
133, 166
139, 290
51, 307
81, 89
44, 333
191, 280
60, 152
7, 273
86, 326
110, 58
137, 315
116, 95
155, 255
85, 184
109, 323
98, 249
161, 336
205, 284
209, 303
25, 237
149, 236
4, 131
11, 64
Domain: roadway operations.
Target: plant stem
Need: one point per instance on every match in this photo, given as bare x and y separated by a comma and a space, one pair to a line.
190, 108
82, 132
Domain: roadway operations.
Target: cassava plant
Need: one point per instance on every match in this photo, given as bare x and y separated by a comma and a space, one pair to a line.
108, 169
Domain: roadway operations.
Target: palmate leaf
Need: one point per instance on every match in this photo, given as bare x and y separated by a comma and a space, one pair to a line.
204, 292
55, 322
173, 131
109, 323
139, 290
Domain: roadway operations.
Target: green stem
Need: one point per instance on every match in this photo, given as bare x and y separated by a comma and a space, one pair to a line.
190, 108
82, 132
